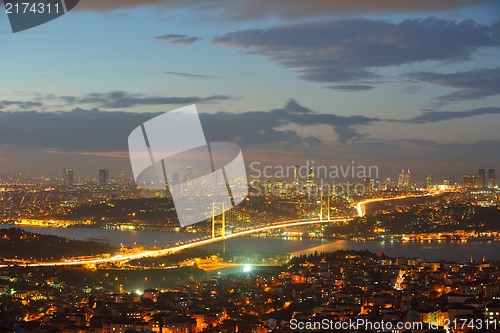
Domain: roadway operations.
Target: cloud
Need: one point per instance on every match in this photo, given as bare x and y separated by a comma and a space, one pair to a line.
259, 127
104, 133
123, 99
19, 104
92, 131
177, 39
289, 9
412, 89
110, 154
351, 87
474, 84
77, 130
194, 76
437, 116
351, 50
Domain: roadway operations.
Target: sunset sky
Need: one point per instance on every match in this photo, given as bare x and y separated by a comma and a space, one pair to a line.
393, 83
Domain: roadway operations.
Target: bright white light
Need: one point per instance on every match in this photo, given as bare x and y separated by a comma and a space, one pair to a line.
247, 269
138, 292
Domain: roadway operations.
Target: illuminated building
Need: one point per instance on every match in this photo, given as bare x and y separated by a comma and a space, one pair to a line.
453, 180
296, 175
429, 181
368, 186
404, 179
68, 177
470, 180
481, 178
310, 176
269, 187
401, 179
189, 177
103, 176
388, 184
492, 178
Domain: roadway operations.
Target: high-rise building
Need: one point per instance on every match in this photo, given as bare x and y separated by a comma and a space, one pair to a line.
368, 186
188, 179
68, 176
295, 179
453, 180
103, 176
310, 176
429, 181
492, 178
388, 184
407, 179
269, 187
469, 181
401, 179
481, 178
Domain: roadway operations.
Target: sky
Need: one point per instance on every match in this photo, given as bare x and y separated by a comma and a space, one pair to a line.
393, 83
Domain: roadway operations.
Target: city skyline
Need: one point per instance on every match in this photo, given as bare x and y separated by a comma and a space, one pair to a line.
318, 174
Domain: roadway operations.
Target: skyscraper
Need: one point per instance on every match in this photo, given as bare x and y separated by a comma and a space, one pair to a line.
407, 179
310, 176
481, 178
103, 176
429, 181
401, 179
492, 178
189, 177
296, 176
68, 176
453, 180
368, 185
388, 184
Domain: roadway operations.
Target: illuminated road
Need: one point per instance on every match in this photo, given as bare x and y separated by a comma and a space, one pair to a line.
360, 206
189, 245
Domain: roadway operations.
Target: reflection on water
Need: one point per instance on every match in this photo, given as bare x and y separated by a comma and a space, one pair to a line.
435, 250
113, 237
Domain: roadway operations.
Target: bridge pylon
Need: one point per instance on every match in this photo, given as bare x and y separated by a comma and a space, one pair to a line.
222, 222
321, 207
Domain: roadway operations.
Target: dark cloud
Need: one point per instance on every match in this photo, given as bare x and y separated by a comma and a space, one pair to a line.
351, 87
123, 99
177, 39
95, 130
194, 76
437, 116
78, 130
350, 50
259, 127
474, 84
290, 9
20, 105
